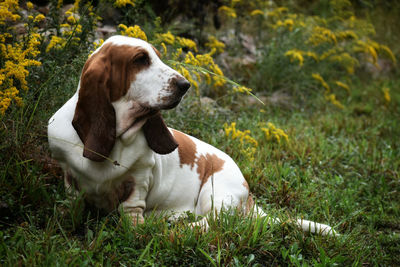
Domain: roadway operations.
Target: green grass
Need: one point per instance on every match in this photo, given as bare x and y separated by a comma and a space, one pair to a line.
340, 167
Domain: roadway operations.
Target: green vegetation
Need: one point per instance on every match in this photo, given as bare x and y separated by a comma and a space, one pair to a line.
305, 153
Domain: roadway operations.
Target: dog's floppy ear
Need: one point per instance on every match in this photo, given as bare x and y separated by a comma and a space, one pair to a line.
94, 119
158, 137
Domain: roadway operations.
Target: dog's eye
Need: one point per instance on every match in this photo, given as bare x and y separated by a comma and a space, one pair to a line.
141, 59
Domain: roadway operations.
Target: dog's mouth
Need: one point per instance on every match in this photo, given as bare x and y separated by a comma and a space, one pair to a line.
135, 118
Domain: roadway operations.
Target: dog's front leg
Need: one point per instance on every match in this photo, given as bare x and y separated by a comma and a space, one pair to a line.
135, 204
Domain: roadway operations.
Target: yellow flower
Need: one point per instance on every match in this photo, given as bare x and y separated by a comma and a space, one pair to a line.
257, 12
213, 43
319, 78
165, 48
167, 37
386, 94
7, 11
389, 52
29, 5
188, 43
135, 31
39, 18
343, 85
56, 43
295, 54
228, 11
71, 19
247, 144
321, 35
242, 89
59, 4
123, 3
273, 133
332, 98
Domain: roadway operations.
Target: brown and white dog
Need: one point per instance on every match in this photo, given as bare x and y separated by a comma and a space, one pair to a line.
113, 144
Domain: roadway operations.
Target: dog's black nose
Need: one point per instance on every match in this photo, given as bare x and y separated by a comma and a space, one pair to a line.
183, 85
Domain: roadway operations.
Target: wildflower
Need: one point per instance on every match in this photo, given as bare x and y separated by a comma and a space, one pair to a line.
213, 43
386, 94
230, 12
343, 85
165, 48
59, 4
56, 43
347, 34
295, 54
247, 144
242, 89
319, 78
256, 12
167, 37
273, 133
39, 18
71, 19
188, 43
7, 9
277, 12
346, 60
332, 98
29, 5
321, 35
389, 52
134, 31
123, 3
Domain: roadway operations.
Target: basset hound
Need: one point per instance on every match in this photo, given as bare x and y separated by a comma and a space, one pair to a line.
114, 146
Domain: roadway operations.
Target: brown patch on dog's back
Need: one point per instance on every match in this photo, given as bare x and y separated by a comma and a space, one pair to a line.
186, 149
208, 165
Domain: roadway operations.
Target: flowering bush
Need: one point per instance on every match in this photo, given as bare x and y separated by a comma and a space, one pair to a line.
248, 144
303, 52
20, 48
17, 53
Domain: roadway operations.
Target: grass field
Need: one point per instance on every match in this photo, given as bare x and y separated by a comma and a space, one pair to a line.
339, 167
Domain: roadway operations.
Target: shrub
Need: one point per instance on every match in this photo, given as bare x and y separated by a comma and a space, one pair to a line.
301, 53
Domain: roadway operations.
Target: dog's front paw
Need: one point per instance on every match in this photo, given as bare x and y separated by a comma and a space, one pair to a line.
136, 215
202, 224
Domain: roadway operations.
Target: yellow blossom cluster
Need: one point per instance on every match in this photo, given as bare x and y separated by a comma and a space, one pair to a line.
15, 57
248, 145
386, 94
298, 55
242, 89
273, 133
321, 35
69, 30
343, 85
170, 39
123, 3
133, 31
202, 65
257, 12
319, 78
8, 10
228, 11
332, 98
215, 45
328, 95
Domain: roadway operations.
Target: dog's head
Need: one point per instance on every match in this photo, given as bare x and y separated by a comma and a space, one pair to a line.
125, 84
